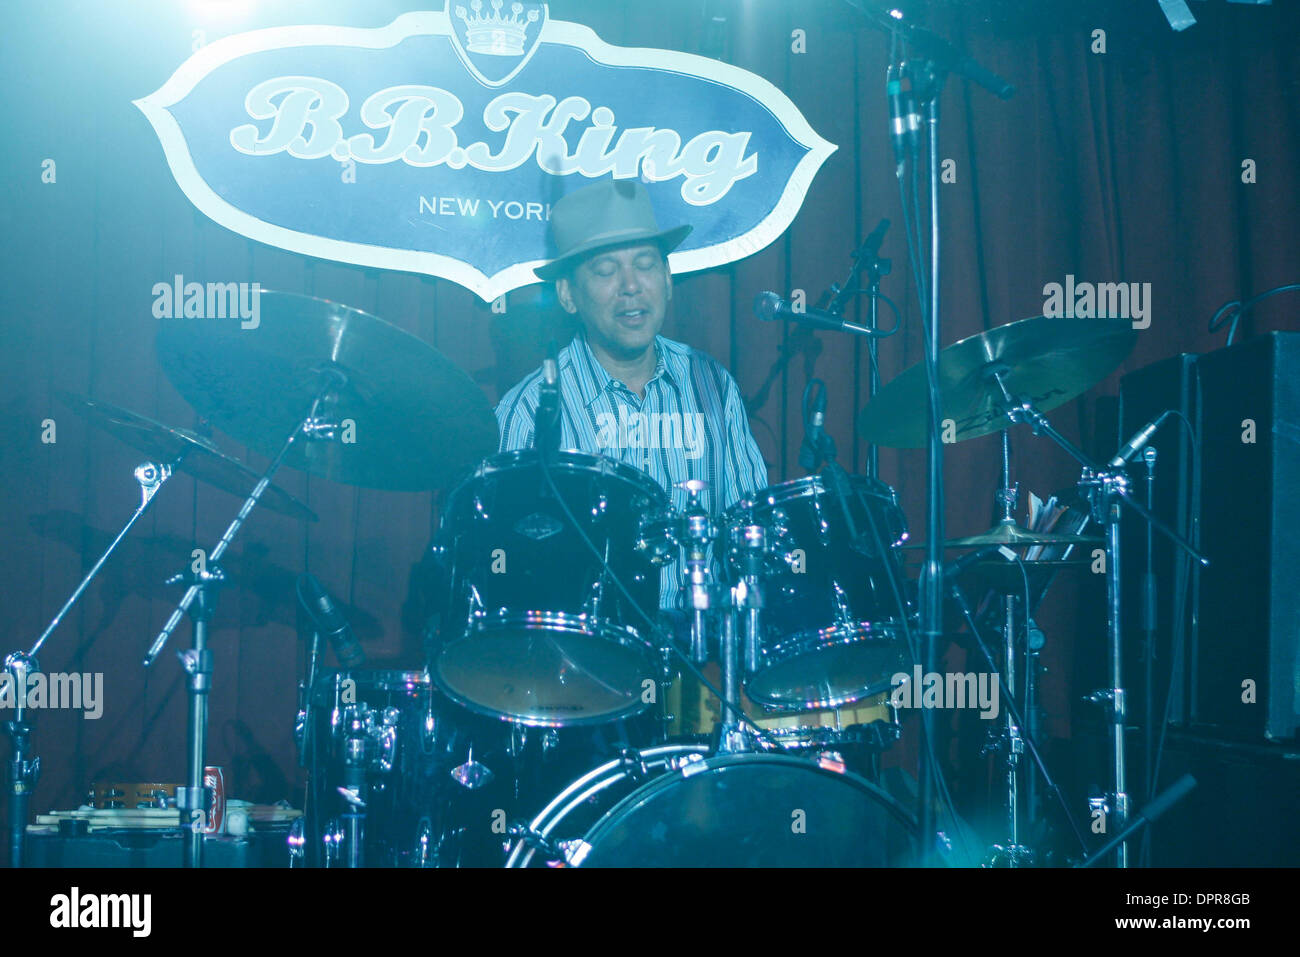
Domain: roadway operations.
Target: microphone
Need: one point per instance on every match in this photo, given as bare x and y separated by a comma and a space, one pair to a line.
329, 621
548, 406
897, 120
1138, 442
814, 429
769, 307
871, 245
912, 118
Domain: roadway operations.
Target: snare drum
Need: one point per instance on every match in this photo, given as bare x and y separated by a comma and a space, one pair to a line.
537, 632
831, 621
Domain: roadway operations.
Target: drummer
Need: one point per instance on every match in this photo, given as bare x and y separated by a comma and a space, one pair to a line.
625, 390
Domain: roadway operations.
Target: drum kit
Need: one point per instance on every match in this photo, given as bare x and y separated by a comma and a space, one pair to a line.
567, 712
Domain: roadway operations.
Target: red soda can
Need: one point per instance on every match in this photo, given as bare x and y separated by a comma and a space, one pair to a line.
215, 782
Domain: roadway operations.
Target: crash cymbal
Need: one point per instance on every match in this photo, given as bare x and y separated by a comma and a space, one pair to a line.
406, 417
186, 451
1046, 360
1014, 536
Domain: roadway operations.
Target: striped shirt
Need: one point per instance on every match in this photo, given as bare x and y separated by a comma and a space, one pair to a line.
690, 425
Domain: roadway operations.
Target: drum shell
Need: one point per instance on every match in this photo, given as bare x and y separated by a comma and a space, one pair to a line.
510, 542
831, 619
538, 632
692, 713
407, 761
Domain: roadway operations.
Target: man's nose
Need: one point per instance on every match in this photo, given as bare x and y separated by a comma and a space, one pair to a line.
629, 281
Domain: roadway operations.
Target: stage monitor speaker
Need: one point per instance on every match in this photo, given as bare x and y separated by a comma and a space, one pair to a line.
1241, 813
1244, 681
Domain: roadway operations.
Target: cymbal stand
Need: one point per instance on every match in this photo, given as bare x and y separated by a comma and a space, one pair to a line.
198, 602
697, 531
24, 771
1012, 853
1008, 701
693, 532
741, 623
1107, 489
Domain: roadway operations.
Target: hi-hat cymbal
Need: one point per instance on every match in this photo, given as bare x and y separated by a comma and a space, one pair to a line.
407, 418
1015, 536
1047, 360
187, 451
1012, 536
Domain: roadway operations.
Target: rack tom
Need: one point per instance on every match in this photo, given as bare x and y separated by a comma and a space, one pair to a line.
538, 632
832, 628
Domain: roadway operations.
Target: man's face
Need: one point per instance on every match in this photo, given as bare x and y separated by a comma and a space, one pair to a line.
621, 295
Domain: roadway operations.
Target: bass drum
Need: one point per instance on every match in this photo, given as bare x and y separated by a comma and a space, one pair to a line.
674, 806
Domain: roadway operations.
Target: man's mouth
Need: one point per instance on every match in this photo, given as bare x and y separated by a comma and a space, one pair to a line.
632, 317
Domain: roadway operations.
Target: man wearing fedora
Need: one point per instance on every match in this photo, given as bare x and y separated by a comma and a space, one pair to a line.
611, 272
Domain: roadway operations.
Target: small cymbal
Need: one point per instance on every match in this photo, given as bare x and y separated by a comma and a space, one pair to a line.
185, 450
1047, 360
1015, 536
405, 417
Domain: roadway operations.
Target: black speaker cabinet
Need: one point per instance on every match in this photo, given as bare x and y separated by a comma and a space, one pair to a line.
1241, 813
1248, 414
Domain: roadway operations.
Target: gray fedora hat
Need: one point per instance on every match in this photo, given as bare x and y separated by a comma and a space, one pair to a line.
609, 213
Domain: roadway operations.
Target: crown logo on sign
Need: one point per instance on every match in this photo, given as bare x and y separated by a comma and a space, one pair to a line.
494, 32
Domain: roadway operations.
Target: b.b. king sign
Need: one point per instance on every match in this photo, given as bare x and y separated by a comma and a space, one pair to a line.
437, 144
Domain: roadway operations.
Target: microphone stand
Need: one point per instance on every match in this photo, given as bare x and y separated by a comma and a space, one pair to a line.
867, 258
1154, 809
1107, 489
931, 581
23, 771
929, 75
876, 268
1149, 651
198, 602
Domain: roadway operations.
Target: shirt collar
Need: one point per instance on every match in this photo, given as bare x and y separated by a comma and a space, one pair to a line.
595, 380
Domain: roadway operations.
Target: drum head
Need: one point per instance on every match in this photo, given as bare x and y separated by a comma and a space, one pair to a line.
753, 810
829, 668
548, 671
547, 638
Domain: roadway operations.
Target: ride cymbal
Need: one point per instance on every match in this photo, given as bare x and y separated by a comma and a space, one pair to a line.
404, 416
1046, 360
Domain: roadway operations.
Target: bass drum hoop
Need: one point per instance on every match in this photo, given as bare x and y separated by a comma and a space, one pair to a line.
614, 771
589, 785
